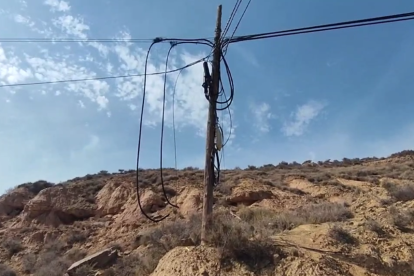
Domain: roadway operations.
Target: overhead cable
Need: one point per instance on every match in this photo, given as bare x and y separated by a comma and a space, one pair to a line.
174, 43
326, 27
86, 40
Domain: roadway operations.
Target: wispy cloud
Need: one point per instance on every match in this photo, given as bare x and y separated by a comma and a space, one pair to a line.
58, 5
11, 69
23, 20
302, 117
262, 115
72, 25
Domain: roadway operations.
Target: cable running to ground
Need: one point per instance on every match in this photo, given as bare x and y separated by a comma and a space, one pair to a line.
175, 42
172, 45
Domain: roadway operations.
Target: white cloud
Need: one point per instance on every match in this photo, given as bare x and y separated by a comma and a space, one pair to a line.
56, 5
302, 117
53, 69
72, 25
11, 70
23, 20
262, 115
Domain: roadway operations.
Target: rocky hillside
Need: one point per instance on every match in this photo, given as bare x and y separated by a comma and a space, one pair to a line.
350, 217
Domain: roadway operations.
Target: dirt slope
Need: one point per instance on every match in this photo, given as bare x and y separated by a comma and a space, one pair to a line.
350, 217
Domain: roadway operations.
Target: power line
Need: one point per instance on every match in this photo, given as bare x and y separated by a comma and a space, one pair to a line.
106, 77
101, 40
327, 27
237, 26
241, 18
173, 43
231, 18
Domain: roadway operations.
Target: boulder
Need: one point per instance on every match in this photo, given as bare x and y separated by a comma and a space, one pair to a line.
112, 198
99, 260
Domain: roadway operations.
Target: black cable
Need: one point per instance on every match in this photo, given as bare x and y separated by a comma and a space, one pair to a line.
173, 44
201, 41
105, 78
326, 27
102, 40
139, 141
231, 122
173, 119
237, 26
231, 18
227, 102
241, 18
162, 126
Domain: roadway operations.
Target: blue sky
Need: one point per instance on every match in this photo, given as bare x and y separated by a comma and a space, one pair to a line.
318, 96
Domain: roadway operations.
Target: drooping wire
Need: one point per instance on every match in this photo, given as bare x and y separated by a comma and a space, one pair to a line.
230, 120
162, 126
201, 41
173, 122
139, 141
173, 125
172, 45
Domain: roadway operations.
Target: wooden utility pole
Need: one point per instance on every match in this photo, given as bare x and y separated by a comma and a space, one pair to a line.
211, 129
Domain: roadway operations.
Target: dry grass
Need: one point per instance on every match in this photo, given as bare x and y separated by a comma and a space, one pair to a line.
85, 270
28, 263
75, 254
36, 187
270, 222
6, 271
232, 236
12, 246
77, 237
402, 219
55, 266
404, 192
50, 260
131, 265
341, 235
374, 226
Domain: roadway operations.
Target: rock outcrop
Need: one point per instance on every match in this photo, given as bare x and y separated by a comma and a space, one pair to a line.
240, 195
58, 205
189, 201
12, 203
